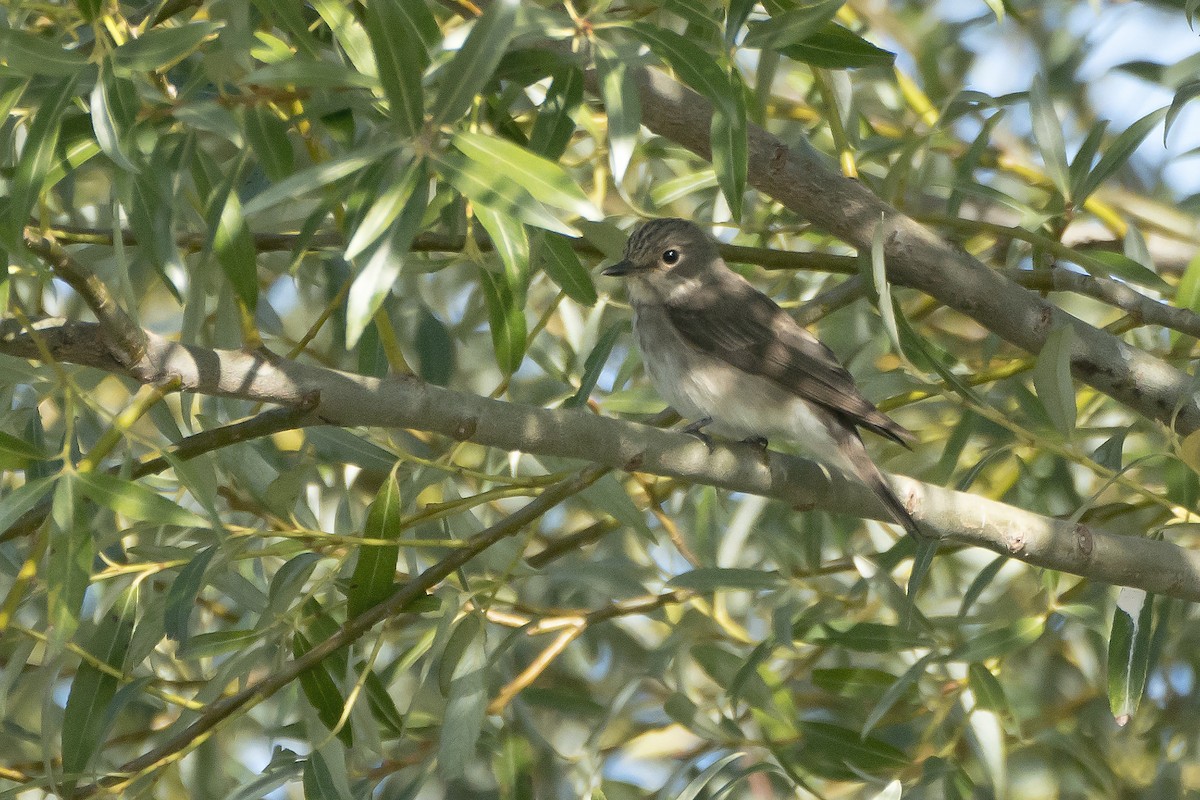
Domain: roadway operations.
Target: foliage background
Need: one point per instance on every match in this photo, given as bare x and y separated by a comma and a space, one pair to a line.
401, 188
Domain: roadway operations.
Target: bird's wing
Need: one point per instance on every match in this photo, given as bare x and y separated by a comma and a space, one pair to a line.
742, 326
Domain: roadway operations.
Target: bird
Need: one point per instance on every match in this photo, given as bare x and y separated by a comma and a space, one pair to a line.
725, 355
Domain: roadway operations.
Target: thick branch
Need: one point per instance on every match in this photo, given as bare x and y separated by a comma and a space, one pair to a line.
799, 178
407, 402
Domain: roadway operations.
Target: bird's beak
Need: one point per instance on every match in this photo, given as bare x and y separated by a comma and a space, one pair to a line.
623, 267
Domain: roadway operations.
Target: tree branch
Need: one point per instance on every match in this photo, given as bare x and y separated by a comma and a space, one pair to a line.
408, 402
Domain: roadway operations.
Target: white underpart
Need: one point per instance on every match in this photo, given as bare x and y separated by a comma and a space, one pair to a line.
740, 405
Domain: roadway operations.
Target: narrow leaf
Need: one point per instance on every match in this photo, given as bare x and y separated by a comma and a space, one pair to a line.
162, 47
543, 179
322, 691
84, 729
835, 47
1118, 153
507, 322
729, 149
622, 106
1047, 131
69, 568
181, 597
400, 59
792, 26
472, 67
135, 501
1129, 651
36, 157
1052, 378
554, 125
373, 282
483, 185
466, 697
512, 244
317, 176
562, 264
375, 571
594, 365
32, 55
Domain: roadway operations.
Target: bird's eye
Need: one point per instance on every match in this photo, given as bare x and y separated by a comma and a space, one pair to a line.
670, 257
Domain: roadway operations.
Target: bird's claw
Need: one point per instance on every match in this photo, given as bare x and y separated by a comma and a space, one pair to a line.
760, 444
694, 429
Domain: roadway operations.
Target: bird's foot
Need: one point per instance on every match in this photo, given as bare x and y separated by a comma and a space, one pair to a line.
695, 429
759, 443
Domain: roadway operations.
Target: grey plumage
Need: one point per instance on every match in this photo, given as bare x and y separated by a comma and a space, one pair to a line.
722, 352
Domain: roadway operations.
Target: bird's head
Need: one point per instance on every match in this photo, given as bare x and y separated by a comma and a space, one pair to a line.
665, 255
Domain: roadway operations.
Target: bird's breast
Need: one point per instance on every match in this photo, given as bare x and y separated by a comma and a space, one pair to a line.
698, 385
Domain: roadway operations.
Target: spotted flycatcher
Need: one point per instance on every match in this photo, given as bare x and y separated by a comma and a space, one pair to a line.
724, 354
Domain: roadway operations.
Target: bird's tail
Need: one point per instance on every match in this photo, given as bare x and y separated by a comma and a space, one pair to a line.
854, 453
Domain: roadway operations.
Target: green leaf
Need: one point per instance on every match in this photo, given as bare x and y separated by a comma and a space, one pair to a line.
309, 74
545, 181
318, 176
622, 107
554, 126
1183, 95
16, 503
375, 570
231, 241
34, 162
698, 783
835, 47
1047, 132
181, 597
853, 681
711, 579
1081, 164
32, 55
135, 501
462, 675
472, 67
988, 692
838, 753
512, 244
70, 561
435, 350
384, 210
1129, 651
376, 278
692, 63
380, 703
1118, 153
869, 637
561, 263
1052, 378
594, 366
483, 185
898, 690
268, 137
114, 106
400, 58
1105, 263
17, 453
1000, 641
729, 149
84, 729
507, 321
163, 47
322, 691
207, 645
791, 26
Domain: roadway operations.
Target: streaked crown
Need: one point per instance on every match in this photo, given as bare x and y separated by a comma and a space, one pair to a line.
649, 242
